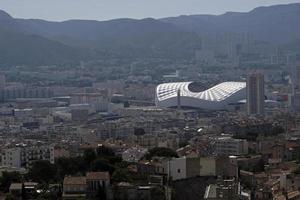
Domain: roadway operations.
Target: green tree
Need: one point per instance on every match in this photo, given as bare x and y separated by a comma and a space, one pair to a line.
70, 166
104, 151
183, 144
158, 193
42, 171
102, 165
89, 156
297, 171
121, 175
161, 152
7, 178
9, 197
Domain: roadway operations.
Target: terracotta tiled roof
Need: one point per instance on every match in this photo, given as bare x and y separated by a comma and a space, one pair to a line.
279, 197
293, 194
75, 180
16, 186
97, 175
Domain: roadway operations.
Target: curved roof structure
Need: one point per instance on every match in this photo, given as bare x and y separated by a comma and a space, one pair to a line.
217, 97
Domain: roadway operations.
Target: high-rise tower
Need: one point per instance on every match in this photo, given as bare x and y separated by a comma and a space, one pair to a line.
255, 94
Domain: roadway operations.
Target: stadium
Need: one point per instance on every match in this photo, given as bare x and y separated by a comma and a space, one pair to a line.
195, 95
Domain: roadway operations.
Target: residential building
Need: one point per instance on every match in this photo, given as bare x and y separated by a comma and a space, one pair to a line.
93, 186
223, 190
255, 94
99, 101
230, 146
74, 187
25, 156
11, 157
182, 168
16, 190
97, 184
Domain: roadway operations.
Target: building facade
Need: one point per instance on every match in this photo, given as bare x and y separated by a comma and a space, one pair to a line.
230, 146
255, 94
26, 156
182, 168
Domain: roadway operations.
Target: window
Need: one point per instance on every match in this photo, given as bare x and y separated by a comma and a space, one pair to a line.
178, 170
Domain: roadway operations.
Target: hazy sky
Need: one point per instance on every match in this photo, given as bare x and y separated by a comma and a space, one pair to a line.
59, 10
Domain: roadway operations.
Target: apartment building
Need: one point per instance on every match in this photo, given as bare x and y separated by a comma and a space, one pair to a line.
182, 168
92, 186
25, 156
230, 146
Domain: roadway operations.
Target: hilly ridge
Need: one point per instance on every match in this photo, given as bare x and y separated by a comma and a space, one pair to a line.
20, 49
122, 37
148, 37
276, 24
40, 42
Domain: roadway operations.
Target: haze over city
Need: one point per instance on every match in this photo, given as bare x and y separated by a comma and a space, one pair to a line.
60, 10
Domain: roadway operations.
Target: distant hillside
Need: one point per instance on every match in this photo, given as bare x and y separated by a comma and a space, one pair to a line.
146, 37
32, 41
96, 30
7, 22
275, 24
20, 49
19, 46
123, 38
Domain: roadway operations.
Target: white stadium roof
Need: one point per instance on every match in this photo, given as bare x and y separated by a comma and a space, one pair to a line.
217, 97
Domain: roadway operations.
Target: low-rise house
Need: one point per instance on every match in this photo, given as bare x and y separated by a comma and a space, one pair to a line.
289, 182
16, 190
97, 184
182, 168
127, 191
223, 190
30, 189
156, 180
94, 185
74, 187
12, 169
145, 168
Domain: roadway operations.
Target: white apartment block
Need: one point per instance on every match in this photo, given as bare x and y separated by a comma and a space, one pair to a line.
11, 157
182, 168
230, 146
26, 156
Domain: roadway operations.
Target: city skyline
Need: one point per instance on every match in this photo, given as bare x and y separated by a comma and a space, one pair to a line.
56, 10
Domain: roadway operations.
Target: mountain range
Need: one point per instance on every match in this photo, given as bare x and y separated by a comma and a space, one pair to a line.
40, 42
277, 24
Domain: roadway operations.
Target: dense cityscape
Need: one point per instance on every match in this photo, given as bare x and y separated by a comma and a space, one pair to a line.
207, 116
